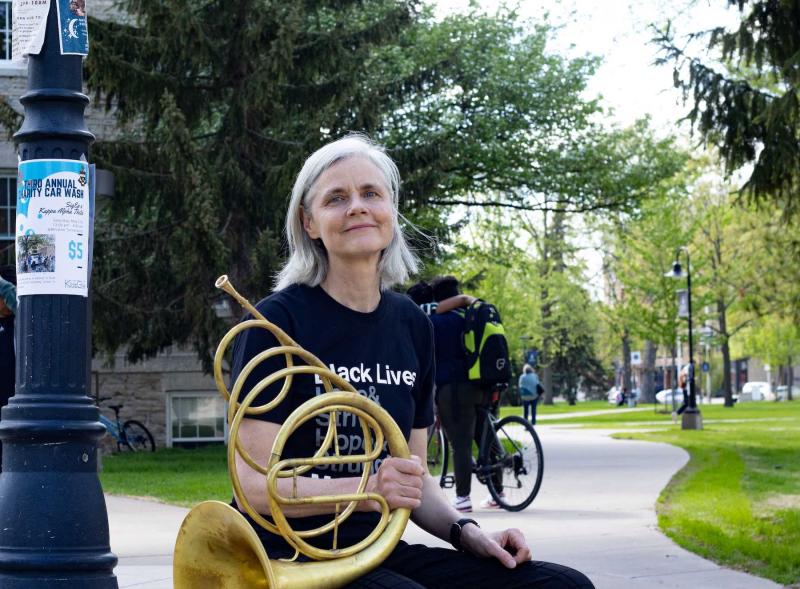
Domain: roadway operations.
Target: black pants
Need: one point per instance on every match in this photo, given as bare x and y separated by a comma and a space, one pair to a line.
529, 407
457, 404
420, 567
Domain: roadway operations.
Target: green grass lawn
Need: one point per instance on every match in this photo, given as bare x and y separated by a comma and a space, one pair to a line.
649, 415
173, 475
559, 408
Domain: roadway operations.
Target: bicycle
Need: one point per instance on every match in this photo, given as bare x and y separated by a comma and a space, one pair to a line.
510, 461
437, 445
131, 435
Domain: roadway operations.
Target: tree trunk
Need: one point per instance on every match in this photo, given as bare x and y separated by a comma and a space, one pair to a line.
569, 390
673, 378
726, 353
554, 263
789, 378
726, 373
626, 362
547, 384
648, 384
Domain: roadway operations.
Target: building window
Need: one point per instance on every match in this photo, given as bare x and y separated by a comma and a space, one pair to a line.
8, 216
195, 417
5, 29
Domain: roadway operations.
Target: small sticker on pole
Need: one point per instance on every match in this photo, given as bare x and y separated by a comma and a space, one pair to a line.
73, 30
29, 22
52, 228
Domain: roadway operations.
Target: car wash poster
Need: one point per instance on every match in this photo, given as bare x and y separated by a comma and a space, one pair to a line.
53, 227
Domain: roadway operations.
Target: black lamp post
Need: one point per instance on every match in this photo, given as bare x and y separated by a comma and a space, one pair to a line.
53, 520
690, 418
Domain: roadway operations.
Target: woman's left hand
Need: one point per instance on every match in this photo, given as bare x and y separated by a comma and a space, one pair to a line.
508, 546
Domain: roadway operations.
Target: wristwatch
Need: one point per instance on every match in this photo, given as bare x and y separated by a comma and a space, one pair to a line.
455, 531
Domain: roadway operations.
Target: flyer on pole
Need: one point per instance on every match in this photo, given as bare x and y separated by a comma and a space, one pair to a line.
73, 29
29, 21
53, 224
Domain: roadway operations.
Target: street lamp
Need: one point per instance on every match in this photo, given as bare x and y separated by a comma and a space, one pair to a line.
53, 519
690, 418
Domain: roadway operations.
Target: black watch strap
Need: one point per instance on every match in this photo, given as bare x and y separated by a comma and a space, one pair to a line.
455, 531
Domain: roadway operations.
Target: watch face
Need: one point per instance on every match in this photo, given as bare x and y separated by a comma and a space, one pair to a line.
455, 535
455, 531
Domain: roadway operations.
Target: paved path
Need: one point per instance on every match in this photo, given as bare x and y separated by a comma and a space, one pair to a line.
594, 512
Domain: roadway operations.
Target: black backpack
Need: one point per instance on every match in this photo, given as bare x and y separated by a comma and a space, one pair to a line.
485, 344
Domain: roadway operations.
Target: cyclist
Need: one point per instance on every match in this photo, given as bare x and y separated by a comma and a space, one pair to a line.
457, 396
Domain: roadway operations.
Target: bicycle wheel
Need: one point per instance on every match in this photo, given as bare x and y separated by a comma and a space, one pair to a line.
435, 447
137, 437
446, 480
516, 464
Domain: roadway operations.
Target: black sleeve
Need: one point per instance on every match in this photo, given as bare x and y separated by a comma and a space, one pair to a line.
424, 386
248, 344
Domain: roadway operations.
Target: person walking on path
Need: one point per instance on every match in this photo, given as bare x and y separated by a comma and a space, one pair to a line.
529, 392
457, 397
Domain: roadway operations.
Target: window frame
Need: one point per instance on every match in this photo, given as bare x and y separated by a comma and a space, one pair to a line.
5, 61
8, 239
173, 440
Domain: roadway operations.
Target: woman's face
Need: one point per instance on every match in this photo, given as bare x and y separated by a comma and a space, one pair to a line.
351, 210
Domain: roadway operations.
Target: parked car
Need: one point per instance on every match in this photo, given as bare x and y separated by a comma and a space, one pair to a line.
781, 392
666, 396
757, 391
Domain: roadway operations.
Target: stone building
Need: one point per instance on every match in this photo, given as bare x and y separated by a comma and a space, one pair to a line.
169, 394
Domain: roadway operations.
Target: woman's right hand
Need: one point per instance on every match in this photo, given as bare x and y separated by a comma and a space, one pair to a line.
399, 481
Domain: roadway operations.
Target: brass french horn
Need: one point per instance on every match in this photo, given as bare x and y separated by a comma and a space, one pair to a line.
218, 549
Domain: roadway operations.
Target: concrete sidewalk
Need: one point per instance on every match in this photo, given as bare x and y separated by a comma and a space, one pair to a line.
594, 512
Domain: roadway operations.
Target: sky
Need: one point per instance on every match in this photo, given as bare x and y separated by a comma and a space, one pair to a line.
618, 31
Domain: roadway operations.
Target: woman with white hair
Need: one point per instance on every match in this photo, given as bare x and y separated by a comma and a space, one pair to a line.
346, 249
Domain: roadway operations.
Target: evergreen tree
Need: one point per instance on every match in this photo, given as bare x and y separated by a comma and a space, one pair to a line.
748, 103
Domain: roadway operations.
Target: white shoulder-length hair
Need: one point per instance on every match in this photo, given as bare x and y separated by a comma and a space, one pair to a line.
308, 260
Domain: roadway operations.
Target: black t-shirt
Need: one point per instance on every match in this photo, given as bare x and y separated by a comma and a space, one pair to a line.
387, 355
